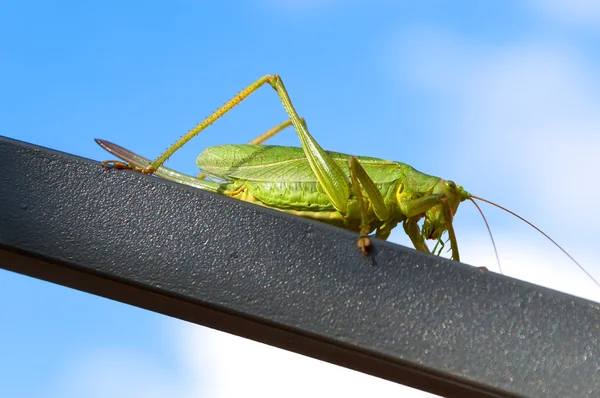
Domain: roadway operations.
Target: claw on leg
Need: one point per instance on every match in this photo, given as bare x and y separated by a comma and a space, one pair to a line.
148, 170
364, 244
117, 164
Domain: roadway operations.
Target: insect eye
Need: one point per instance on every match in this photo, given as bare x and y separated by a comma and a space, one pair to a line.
450, 185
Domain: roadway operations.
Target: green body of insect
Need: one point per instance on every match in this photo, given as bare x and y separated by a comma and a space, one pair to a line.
282, 178
358, 193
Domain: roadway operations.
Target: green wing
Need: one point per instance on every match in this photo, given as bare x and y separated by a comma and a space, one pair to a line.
264, 163
275, 164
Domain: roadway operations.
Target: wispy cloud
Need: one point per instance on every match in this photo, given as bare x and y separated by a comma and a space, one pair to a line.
215, 364
531, 258
116, 372
522, 112
276, 373
579, 13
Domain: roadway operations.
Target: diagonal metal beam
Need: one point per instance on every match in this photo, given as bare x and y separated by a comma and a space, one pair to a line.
412, 318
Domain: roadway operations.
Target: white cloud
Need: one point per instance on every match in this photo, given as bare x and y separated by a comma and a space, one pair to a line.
245, 368
213, 364
532, 259
116, 372
523, 117
574, 12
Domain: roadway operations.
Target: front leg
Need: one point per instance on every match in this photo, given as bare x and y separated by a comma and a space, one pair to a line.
358, 173
414, 233
449, 217
414, 207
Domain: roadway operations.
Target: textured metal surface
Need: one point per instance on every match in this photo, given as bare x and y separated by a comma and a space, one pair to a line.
416, 319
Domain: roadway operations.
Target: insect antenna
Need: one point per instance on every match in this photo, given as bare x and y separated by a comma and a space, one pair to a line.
540, 231
489, 231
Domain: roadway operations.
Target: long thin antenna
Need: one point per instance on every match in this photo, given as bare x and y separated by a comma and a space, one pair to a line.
490, 232
542, 232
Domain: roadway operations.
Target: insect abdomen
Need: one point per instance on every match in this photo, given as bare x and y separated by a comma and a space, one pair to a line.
304, 196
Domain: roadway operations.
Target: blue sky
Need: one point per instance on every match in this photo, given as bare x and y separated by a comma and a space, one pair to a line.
501, 97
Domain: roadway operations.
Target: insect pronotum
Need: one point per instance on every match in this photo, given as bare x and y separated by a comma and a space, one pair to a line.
358, 193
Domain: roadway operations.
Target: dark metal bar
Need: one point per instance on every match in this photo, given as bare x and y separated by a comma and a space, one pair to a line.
416, 319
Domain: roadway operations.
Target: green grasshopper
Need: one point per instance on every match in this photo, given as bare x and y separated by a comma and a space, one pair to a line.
358, 193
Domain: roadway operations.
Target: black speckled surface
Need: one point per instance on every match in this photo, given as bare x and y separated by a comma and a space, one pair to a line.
420, 320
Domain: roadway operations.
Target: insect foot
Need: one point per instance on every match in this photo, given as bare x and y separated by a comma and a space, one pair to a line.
364, 244
148, 170
117, 164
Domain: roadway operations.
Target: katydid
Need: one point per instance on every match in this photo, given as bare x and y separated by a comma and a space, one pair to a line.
358, 193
